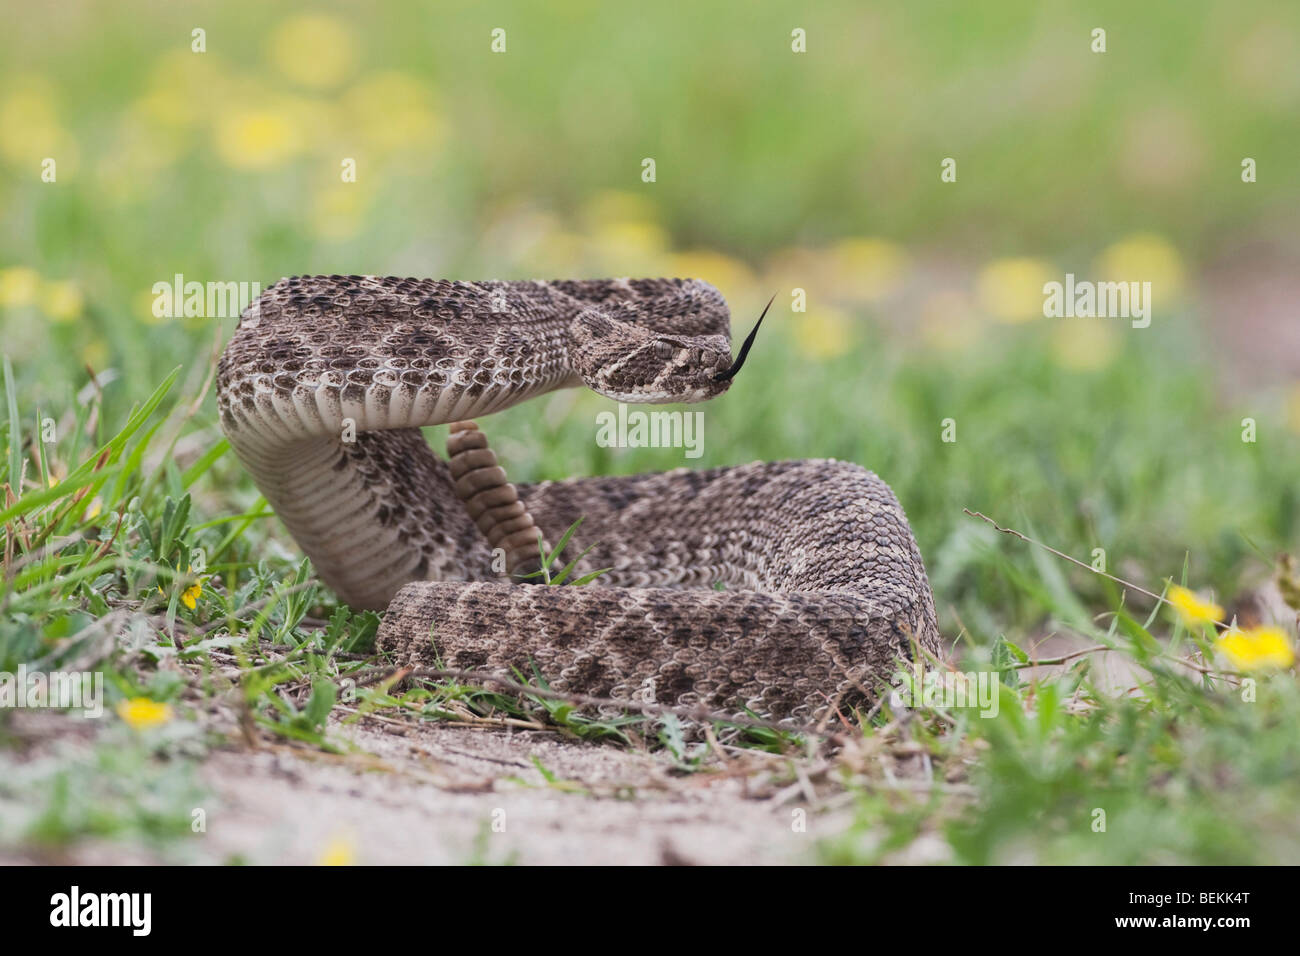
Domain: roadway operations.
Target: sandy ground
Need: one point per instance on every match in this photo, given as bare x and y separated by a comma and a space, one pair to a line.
453, 794
446, 793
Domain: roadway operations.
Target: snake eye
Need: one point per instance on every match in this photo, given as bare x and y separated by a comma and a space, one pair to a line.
663, 350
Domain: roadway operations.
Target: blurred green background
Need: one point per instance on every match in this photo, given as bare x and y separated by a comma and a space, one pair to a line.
775, 171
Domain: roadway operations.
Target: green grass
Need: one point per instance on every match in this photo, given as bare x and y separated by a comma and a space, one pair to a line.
1184, 770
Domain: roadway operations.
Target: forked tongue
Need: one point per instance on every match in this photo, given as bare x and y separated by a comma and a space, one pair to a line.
744, 349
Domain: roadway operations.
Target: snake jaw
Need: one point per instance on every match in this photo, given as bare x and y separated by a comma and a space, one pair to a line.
630, 363
650, 397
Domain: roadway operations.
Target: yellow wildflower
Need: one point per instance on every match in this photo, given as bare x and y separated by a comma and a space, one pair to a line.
1256, 648
166, 106
390, 111
313, 50
1192, 608
1144, 257
141, 712
729, 276
1011, 290
30, 129
191, 594
629, 240
611, 205
257, 138
61, 300
338, 852
18, 286
94, 353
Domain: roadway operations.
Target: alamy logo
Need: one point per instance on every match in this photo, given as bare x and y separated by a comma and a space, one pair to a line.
946, 689
208, 300
103, 909
1098, 300
639, 429
83, 690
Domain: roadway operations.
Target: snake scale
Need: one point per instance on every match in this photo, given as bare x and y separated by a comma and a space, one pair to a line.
787, 588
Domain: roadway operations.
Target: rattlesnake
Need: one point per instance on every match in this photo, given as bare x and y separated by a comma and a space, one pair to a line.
785, 587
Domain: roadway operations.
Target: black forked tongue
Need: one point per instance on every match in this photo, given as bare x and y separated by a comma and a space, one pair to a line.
744, 349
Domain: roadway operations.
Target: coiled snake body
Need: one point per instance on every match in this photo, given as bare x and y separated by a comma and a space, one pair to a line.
323, 389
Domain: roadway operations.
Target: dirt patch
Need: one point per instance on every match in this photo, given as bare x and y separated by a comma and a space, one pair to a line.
450, 793
447, 794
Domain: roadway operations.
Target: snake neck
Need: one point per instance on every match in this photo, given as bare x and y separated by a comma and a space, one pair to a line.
312, 362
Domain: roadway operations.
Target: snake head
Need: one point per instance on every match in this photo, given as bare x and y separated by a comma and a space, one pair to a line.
631, 363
